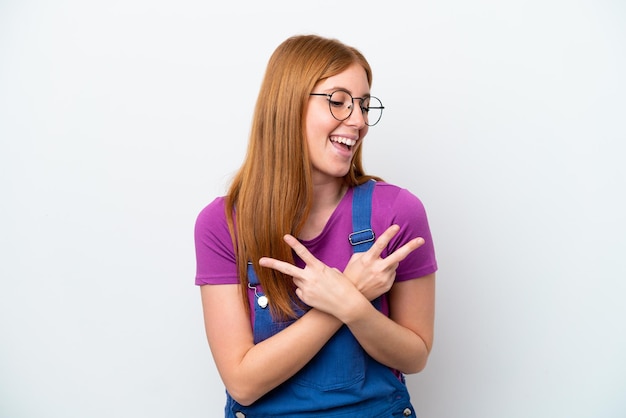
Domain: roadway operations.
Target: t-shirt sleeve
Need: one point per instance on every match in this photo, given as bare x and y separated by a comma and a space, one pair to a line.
215, 257
406, 210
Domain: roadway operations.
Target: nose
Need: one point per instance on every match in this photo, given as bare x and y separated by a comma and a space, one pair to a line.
356, 118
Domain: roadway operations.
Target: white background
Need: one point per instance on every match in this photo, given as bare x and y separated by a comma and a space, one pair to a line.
120, 120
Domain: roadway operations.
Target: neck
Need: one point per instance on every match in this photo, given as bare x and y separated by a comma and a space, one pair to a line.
326, 197
328, 193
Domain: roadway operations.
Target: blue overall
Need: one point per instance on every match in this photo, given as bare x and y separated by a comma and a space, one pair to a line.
342, 380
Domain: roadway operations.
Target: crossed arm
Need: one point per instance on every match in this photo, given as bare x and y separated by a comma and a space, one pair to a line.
401, 341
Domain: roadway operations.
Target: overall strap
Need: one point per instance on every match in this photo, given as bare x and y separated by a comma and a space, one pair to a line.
362, 236
252, 278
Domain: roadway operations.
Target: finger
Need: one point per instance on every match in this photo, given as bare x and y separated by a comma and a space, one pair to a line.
381, 242
300, 250
402, 252
278, 265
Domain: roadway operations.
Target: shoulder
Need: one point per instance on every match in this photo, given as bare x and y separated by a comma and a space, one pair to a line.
215, 256
389, 196
216, 207
211, 221
392, 204
213, 213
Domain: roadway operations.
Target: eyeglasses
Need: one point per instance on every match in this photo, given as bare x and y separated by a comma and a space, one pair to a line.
341, 104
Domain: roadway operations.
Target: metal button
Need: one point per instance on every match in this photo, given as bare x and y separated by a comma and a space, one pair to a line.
407, 412
240, 414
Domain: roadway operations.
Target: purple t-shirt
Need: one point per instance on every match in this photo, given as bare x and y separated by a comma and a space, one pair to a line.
215, 258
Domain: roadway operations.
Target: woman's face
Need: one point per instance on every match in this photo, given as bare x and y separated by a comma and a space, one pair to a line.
332, 143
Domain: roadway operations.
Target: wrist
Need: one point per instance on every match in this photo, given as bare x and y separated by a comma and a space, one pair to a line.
354, 309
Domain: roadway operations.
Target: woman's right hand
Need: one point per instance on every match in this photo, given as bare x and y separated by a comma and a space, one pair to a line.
373, 275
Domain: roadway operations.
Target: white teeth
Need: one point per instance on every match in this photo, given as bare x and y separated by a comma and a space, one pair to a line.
342, 140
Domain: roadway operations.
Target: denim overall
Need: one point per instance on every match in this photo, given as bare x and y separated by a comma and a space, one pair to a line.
342, 380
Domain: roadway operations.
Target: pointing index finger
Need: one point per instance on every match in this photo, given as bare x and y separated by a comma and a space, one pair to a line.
300, 249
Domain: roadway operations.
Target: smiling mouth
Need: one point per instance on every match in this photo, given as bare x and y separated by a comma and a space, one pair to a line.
346, 142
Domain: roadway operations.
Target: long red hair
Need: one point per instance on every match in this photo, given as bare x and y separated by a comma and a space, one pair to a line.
271, 193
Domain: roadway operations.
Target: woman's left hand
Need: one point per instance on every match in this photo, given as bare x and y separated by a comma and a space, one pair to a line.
374, 275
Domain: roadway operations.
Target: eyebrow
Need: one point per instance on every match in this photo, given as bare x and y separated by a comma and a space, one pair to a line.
333, 89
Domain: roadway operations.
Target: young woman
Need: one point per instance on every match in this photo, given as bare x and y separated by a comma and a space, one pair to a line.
317, 280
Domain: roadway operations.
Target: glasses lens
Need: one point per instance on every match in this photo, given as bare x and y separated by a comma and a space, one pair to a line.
372, 110
340, 105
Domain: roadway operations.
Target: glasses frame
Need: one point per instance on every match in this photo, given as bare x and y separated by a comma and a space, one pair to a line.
363, 109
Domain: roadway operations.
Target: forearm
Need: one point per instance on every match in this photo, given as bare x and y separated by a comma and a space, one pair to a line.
387, 341
271, 362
